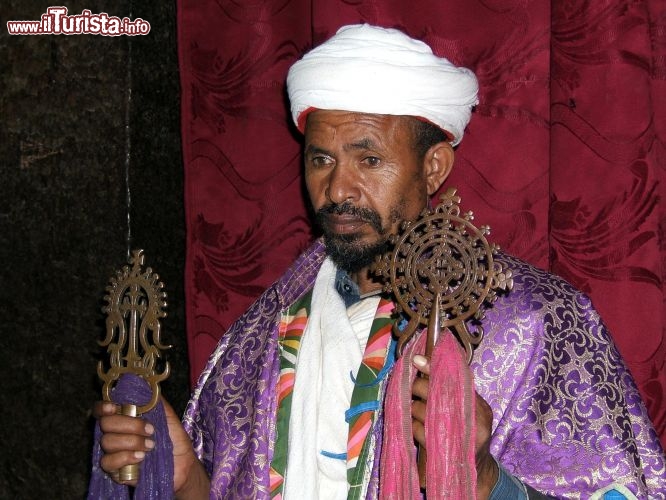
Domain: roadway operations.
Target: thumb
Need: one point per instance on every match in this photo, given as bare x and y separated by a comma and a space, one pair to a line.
422, 363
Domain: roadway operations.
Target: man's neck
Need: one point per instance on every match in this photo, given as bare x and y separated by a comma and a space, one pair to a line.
366, 281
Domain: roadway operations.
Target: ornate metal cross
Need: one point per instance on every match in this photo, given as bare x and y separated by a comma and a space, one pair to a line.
441, 271
135, 305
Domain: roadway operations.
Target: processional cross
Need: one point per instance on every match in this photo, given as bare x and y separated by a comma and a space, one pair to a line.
441, 271
135, 305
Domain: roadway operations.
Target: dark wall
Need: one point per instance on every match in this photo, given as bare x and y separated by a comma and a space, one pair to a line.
63, 221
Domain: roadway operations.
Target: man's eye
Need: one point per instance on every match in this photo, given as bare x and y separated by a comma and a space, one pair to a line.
319, 161
372, 161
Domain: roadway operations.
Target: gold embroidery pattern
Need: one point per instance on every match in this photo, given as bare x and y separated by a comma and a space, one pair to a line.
561, 396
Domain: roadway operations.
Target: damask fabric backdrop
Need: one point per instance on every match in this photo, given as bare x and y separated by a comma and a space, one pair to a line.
564, 157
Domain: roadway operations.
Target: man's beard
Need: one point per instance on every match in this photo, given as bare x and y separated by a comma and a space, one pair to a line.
346, 250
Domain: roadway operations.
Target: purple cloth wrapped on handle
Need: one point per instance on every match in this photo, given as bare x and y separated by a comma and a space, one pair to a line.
156, 477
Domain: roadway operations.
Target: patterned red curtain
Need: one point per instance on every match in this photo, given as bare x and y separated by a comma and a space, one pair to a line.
565, 157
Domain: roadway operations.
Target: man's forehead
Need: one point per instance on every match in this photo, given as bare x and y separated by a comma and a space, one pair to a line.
319, 121
332, 130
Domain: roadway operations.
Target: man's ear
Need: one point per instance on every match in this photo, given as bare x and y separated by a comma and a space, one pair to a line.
438, 162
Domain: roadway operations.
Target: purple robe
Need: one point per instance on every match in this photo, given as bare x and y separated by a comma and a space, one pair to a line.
567, 417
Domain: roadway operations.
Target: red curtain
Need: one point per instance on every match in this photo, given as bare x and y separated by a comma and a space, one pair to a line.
564, 157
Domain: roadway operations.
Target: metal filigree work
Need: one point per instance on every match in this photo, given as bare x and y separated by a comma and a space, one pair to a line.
441, 271
135, 305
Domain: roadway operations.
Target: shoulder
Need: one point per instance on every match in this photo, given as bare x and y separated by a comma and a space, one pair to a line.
298, 279
300, 276
541, 330
530, 281
559, 389
550, 305
255, 330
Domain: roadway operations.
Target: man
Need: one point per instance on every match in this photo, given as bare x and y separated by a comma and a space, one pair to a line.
290, 403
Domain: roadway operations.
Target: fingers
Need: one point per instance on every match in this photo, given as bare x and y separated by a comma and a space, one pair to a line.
418, 421
121, 450
420, 397
420, 389
117, 442
121, 424
421, 363
112, 465
125, 440
102, 408
421, 384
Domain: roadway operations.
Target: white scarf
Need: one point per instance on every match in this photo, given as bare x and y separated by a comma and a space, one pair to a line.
331, 348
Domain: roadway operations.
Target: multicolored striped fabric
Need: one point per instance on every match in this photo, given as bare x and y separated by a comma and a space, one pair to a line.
366, 397
290, 332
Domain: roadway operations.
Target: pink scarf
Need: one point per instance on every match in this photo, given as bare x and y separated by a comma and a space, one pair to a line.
450, 427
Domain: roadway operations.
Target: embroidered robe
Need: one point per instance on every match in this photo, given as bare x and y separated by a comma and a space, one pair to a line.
567, 417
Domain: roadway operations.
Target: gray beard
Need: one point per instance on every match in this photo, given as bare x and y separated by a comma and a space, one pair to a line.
348, 254
346, 250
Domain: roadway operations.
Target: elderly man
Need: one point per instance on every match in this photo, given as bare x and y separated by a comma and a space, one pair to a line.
291, 403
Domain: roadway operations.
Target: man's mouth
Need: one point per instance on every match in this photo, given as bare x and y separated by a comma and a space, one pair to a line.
344, 223
345, 219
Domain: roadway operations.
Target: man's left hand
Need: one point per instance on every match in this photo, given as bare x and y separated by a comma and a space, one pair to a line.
486, 467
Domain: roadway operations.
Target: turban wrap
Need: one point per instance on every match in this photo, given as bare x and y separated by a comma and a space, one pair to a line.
368, 69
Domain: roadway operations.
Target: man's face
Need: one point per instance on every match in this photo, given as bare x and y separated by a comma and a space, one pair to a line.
363, 178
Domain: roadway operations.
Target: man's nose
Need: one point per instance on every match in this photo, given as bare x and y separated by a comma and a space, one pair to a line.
343, 184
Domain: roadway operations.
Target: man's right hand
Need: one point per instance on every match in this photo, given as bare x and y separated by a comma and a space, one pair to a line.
126, 440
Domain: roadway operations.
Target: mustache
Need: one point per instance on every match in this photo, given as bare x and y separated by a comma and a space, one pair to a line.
347, 208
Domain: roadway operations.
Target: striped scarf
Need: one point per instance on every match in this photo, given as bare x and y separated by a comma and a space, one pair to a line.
365, 402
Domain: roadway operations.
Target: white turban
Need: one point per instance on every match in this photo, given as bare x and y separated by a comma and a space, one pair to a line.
368, 69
